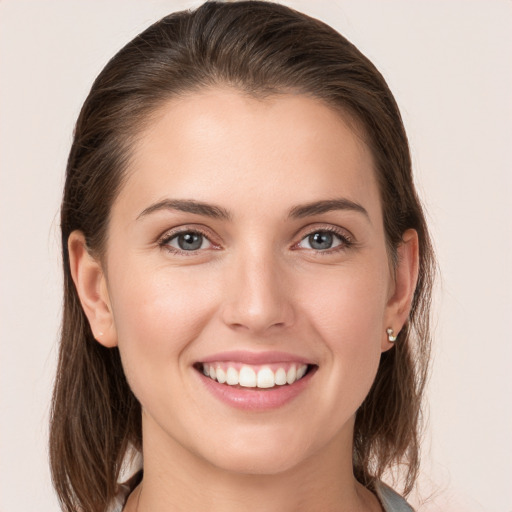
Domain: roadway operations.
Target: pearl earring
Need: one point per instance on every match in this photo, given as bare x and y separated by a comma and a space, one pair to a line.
391, 335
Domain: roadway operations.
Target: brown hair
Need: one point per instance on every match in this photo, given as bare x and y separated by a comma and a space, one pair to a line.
260, 48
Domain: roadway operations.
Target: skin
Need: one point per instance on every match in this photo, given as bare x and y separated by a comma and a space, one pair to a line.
256, 284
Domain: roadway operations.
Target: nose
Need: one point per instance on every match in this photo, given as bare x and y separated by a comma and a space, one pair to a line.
258, 295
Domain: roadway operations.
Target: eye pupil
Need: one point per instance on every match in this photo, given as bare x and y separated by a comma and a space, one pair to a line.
321, 240
190, 241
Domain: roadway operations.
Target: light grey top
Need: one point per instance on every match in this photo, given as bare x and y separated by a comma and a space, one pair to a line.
389, 499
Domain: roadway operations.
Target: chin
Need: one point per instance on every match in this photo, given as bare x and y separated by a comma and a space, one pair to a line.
265, 453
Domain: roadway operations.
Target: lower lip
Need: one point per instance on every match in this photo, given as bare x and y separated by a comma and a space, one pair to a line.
255, 399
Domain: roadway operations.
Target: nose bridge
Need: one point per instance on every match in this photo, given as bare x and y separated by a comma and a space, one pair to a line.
258, 298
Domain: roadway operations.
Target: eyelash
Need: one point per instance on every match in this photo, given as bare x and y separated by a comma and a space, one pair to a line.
346, 241
164, 240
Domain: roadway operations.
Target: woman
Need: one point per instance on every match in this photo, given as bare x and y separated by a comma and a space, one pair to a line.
247, 274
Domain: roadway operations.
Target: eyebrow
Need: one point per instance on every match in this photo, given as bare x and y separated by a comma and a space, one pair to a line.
329, 205
189, 206
217, 212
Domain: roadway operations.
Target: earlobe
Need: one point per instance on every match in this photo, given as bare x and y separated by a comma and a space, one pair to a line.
91, 286
406, 277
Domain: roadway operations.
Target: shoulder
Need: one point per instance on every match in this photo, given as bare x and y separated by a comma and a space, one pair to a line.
390, 500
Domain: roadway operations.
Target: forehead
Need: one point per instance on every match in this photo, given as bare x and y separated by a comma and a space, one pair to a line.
220, 145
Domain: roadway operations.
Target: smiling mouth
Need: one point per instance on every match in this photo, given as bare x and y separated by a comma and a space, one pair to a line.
256, 377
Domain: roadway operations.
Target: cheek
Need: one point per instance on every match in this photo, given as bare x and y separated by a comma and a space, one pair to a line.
157, 315
348, 304
347, 313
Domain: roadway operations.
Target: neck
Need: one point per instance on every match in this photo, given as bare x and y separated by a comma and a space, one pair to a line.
177, 480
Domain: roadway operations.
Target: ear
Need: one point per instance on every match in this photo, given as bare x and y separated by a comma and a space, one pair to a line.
91, 286
402, 291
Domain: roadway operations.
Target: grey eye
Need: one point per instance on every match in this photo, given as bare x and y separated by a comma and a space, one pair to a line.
189, 241
320, 241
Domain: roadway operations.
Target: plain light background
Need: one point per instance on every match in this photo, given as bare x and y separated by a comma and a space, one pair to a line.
449, 65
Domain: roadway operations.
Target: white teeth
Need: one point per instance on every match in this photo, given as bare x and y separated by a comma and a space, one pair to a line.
266, 378
232, 376
221, 375
291, 376
280, 378
301, 372
248, 378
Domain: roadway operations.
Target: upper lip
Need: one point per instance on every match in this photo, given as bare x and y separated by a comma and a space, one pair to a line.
248, 357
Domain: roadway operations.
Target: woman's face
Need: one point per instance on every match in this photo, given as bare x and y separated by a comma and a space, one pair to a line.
248, 238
